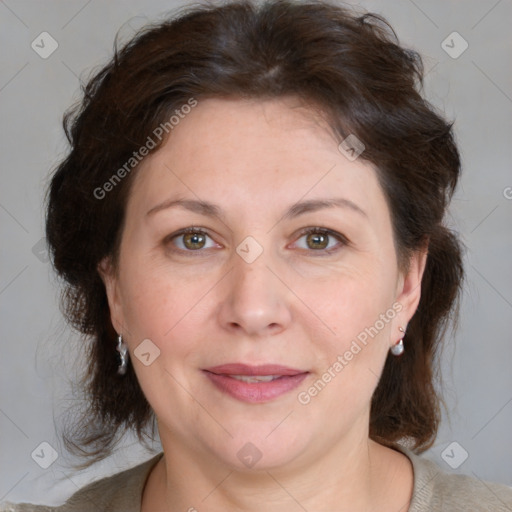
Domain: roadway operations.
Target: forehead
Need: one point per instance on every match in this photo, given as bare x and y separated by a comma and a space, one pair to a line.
240, 151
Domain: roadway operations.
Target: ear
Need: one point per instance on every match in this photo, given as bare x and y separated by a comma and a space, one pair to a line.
409, 285
111, 282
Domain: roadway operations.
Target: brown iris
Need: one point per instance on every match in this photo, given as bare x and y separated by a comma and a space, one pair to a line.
320, 240
194, 240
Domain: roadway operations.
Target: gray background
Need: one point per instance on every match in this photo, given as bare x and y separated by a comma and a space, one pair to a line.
38, 349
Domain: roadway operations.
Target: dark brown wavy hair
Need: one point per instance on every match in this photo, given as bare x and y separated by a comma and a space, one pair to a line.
349, 64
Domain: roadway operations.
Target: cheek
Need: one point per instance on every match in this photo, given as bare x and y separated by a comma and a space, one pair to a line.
166, 310
358, 309
157, 303
350, 301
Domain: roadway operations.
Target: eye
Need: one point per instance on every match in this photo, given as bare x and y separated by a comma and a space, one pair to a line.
322, 240
190, 239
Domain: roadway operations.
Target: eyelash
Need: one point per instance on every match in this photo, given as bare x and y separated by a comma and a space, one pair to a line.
307, 231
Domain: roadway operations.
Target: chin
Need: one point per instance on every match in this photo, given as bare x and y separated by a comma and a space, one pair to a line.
258, 449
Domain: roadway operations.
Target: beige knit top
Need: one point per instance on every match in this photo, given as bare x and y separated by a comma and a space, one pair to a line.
434, 491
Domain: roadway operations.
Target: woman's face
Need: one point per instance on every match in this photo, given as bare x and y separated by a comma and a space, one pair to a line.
249, 287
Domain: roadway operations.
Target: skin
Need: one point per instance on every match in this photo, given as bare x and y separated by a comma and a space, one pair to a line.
295, 305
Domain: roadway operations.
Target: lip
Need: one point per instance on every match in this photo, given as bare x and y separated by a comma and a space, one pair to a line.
244, 369
256, 393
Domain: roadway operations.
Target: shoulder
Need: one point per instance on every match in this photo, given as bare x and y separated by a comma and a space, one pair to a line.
24, 507
438, 490
121, 492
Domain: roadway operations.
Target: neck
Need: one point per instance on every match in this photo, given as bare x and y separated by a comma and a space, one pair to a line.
354, 475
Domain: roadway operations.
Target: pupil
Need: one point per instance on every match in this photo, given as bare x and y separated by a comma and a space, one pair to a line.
196, 240
318, 239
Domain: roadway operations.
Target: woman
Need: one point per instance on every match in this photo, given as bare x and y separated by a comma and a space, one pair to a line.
250, 225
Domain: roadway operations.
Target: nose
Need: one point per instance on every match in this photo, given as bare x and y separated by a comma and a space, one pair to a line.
256, 299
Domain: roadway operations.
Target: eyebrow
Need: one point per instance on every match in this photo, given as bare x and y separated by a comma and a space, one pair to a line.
212, 210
